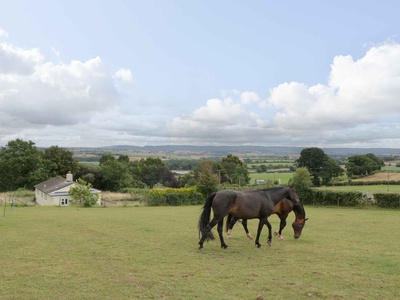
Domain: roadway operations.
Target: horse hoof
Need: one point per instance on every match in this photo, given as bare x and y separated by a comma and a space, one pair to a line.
276, 233
258, 245
269, 243
224, 246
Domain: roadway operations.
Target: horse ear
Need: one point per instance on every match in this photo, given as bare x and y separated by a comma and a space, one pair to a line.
305, 219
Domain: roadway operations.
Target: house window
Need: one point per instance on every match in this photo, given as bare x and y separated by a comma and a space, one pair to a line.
64, 201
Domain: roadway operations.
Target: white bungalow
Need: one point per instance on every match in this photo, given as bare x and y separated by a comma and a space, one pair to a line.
55, 191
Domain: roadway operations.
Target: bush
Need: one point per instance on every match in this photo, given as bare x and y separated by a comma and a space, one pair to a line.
317, 197
174, 197
387, 200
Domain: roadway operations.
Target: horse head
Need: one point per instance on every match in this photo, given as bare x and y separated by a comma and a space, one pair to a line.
298, 226
300, 220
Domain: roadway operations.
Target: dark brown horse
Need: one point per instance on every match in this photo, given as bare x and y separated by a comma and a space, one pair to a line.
242, 205
282, 209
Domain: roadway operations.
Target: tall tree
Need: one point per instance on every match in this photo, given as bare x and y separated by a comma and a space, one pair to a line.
60, 161
152, 171
241, 175
207, 179
319, 164
115, 175
232, 167
21, 166
358, 165
228, 165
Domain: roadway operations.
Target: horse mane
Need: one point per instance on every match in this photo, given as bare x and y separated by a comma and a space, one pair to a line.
299, 208
275, 188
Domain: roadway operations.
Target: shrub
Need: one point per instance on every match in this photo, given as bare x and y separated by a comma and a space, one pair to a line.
317, 197
387, 200
174, 197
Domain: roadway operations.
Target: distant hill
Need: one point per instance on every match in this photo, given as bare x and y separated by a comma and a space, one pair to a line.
273, 150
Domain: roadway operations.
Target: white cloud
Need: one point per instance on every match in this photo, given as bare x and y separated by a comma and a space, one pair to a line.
14, 60
54, 94
125, 75
359, 104
3, 32
248, 98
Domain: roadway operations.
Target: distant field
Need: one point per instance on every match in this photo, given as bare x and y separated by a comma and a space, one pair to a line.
151, 253
272, 177
364, 188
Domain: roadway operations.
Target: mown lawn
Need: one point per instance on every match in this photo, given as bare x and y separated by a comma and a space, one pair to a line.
151, 253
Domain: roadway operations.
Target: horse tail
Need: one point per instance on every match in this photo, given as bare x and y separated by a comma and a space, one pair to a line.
205, 218
228, 221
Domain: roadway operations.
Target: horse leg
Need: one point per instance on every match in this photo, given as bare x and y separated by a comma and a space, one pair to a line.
260, 227
269, 231
281, 226
230, 226
204, 236
244, 224
221, 237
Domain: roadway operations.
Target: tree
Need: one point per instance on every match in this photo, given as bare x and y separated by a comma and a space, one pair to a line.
123, 159
152, 171
105, 158
81, 193
319, 165
116, 175
232, 167
228, 165
302, 179
91, 173
21, 166
60, 161
261, 169
207, 179
361, 165
241, 175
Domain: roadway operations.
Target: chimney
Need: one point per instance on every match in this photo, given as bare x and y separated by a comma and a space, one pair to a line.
69, 176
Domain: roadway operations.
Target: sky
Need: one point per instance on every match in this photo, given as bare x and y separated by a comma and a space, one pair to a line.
314, 73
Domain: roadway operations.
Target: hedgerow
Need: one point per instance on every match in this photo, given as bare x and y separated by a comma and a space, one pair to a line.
174, 197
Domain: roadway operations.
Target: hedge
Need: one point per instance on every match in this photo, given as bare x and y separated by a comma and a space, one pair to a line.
387, 200
174, 197
326, 197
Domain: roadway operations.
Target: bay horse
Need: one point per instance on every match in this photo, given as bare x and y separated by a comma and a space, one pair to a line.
282, 210
255, 204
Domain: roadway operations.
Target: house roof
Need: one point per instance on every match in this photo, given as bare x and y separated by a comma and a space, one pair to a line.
53, 184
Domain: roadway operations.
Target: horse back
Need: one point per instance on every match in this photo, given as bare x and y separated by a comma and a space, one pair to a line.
283, 207
250, 205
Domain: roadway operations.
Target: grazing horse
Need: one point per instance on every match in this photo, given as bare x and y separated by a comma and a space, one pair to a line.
241, 205
282, 209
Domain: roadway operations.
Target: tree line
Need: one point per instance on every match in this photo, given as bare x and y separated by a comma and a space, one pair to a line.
23, 165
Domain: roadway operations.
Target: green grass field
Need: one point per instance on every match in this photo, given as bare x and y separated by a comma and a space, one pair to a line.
364, 188
151, 253
272, 177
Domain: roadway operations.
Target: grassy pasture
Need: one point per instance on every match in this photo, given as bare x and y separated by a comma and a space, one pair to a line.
151, 253
272, 177
363, 188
